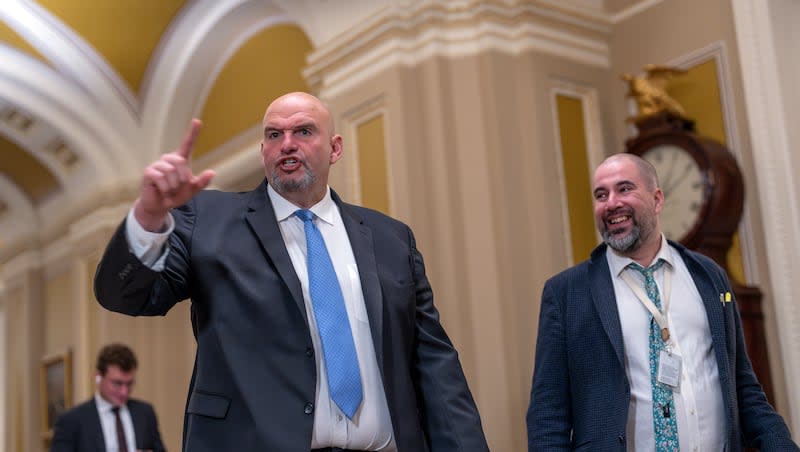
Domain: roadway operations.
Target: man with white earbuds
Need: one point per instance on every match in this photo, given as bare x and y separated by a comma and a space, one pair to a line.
111, 421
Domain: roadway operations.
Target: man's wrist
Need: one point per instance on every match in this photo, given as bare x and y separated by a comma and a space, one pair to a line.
149, 221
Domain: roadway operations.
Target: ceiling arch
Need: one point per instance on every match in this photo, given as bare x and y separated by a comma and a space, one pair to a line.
75, 122
108, 86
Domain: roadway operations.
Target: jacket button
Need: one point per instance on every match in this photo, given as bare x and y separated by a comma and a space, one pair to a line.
309, 408
309, 352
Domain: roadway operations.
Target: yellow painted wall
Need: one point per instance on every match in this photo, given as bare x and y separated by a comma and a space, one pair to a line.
575, 162
124, 32
265, 67
370, 140
58, 311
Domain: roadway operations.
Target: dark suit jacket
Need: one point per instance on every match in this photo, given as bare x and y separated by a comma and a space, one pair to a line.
79, 430
254, 383
580, 393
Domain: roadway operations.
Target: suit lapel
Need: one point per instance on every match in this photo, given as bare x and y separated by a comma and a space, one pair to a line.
602, 289
96, 429
138, 423
362, 244
261, 218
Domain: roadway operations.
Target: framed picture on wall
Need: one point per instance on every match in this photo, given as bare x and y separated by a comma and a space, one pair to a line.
55, 383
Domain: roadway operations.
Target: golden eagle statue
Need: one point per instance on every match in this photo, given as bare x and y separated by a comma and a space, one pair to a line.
650, 92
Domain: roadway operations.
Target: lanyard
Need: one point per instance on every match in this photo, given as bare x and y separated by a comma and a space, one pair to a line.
642, 296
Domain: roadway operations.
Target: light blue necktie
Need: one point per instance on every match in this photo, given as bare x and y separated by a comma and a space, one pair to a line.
341, 361
665, 425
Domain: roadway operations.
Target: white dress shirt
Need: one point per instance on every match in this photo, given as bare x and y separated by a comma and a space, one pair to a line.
108, 422
371, 427
698, 400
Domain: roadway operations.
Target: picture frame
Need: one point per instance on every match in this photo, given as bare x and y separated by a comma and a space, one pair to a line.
55, 384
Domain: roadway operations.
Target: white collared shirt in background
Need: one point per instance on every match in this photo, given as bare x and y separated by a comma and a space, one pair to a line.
698, 402
108, 423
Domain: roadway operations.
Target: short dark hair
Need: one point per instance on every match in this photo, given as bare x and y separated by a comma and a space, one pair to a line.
119, 355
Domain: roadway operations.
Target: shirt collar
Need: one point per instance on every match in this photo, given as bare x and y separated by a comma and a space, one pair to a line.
284, 208
618, 263
103, 405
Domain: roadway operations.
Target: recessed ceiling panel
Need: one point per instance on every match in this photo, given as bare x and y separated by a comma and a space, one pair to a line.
28, 173
124, 32
266, 66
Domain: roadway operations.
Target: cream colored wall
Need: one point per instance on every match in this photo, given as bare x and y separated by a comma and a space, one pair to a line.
471, 154
23, 299
471, 159
51, 309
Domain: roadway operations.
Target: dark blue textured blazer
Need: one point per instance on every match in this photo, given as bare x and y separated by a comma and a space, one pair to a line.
580, 393
254, 383
79, 430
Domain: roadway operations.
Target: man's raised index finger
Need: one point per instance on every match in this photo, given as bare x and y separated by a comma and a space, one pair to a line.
185, 149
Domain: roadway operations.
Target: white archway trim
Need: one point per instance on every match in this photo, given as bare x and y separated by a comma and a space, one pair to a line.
776, 182
18, 216
194, 51
77, 60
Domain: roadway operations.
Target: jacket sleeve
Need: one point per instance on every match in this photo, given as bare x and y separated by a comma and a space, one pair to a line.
447, 410
157, 445
66, 434
124, 284
762, 427
549, 415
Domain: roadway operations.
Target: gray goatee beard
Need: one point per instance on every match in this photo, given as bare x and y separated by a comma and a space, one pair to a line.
291, 186
624, 244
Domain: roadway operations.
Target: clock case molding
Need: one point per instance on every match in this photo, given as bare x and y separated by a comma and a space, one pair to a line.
718, 219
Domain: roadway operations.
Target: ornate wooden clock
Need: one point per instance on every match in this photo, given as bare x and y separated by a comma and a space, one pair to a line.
702, 184
703, 203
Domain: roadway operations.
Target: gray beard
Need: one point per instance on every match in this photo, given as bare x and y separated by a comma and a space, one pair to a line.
291, 186
624, 244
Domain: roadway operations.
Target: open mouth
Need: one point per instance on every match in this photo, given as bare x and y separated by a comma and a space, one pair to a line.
289, 164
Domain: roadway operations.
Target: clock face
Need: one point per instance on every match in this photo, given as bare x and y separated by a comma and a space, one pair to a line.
683, 184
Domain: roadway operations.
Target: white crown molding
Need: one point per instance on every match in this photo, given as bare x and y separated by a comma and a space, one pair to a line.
406, 36
777, 185
236, 160
633, 10
19, 265
18, 221
96, 223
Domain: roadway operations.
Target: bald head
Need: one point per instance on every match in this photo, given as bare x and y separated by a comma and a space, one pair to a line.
300, 101
646, 170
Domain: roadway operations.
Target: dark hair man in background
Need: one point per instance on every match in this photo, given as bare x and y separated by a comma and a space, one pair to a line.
640, 347
111, 421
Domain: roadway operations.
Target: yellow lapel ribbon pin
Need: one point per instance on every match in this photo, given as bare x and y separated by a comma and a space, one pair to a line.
725, 298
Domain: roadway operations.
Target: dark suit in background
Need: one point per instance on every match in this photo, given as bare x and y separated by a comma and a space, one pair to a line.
79, 430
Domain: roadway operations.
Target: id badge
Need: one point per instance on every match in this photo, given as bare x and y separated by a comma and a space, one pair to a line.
669, 369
